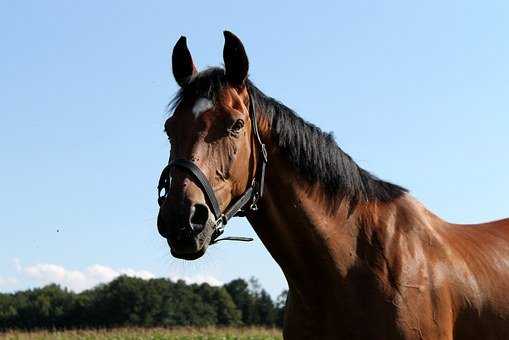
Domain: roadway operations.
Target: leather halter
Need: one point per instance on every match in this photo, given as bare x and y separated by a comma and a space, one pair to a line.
251, 195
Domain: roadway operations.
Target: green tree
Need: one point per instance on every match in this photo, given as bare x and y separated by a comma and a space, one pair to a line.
128, 301
225, 309
243, 299
280, 308
265, 310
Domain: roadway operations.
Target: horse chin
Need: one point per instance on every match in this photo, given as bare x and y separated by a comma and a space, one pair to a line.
189, 256
196, 248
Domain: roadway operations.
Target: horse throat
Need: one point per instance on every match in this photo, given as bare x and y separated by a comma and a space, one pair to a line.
310, 242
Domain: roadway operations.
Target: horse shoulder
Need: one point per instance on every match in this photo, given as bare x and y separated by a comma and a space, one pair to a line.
405, 253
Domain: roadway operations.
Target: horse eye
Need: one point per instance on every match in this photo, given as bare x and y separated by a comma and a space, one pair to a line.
239, 124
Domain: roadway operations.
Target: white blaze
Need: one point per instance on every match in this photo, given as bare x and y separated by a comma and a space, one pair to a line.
202, 105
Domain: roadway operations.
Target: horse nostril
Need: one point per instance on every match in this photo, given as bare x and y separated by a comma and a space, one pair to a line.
199, 217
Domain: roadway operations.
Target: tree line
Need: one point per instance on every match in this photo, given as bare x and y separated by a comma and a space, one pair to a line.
129, 301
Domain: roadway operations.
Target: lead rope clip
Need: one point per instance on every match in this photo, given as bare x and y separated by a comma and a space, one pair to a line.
254, 204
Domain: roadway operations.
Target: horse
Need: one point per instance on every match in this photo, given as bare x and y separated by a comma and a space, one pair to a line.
363, 258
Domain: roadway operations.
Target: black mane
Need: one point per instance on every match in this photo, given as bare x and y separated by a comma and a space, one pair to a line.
311, 151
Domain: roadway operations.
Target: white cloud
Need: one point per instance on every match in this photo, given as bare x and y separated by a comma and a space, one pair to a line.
198, 279
7, 282
76, 280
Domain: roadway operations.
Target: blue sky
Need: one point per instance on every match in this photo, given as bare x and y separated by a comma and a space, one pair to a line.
416, 92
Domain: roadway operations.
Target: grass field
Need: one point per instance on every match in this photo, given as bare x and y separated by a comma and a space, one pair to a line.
209, 333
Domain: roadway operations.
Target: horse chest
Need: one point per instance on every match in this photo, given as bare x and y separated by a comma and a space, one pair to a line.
341, 315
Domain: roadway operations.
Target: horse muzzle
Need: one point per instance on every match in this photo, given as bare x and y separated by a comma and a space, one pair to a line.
188, 230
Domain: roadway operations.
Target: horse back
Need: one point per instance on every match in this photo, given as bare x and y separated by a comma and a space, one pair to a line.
482, 306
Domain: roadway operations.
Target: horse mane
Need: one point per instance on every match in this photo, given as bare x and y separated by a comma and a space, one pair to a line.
313, 152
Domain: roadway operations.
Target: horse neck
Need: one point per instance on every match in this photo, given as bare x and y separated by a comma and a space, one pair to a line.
296, 224
311, 239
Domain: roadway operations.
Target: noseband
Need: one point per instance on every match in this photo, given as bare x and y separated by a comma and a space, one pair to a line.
247, 201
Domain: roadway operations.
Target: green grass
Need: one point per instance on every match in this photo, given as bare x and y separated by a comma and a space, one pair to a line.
207, 333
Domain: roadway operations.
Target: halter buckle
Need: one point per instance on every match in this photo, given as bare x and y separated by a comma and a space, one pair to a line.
254, 203
220, 222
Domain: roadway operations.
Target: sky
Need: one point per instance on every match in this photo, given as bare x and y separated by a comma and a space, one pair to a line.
416, 92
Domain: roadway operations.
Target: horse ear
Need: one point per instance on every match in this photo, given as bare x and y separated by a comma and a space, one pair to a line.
182, 63
235, 59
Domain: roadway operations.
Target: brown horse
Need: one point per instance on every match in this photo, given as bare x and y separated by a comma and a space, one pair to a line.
363, 259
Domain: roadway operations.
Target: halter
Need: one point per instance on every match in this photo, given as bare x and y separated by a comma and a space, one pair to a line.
251, 195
